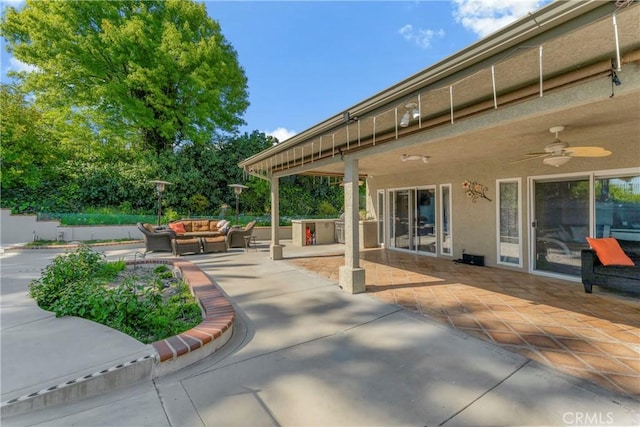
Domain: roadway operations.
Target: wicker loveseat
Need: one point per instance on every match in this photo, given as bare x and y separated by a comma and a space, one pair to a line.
189, 228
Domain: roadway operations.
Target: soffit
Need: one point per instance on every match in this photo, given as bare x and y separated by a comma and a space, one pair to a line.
610, 123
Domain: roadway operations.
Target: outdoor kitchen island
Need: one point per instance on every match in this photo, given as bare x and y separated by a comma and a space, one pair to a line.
313, 231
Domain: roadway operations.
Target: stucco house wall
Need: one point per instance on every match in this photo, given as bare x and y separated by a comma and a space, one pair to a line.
474, 224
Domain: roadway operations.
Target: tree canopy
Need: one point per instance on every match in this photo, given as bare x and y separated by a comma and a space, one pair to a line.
124, 92
155, 72
28, 149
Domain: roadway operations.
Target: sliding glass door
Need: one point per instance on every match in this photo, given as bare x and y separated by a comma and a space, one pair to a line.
413, 220
561, 223
617, 203
566, 210
401, 237
425, 223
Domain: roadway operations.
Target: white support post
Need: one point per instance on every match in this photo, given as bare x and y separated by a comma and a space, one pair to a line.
451, 101
618, 64
541, 76
352, 277
276, 248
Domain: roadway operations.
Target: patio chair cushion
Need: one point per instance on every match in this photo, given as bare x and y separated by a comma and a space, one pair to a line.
178, 227
202, 225
196, 228
609, 251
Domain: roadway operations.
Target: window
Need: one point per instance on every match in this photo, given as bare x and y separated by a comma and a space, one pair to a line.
446, 242
381, 208
509, 219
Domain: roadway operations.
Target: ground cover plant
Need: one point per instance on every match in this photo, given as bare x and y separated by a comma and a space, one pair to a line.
144, 301
82, 218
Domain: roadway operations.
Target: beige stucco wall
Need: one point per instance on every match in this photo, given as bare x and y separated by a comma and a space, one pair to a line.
25, 228
474, 224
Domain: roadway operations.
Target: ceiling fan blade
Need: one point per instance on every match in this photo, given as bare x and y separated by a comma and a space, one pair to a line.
532, 157
539, 154
587, 152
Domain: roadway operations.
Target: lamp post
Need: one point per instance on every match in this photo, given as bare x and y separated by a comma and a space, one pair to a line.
159, 189
237, 189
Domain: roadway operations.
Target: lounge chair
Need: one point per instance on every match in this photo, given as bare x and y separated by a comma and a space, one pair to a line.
235, 236
156, 240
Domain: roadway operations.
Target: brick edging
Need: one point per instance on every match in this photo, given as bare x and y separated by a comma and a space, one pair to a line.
218, 313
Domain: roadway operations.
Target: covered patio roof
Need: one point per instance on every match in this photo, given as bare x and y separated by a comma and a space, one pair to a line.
495, 99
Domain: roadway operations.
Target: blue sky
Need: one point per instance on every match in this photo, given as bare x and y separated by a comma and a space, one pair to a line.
308, 60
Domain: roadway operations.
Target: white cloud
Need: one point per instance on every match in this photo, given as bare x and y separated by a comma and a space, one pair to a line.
17, 65
281, 133
13, 3
483, 17
419, 36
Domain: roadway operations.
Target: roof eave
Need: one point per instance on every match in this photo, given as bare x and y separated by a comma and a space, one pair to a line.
543, 20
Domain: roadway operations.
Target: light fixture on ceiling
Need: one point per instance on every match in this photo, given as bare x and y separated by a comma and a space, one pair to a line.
556, 161
404, 121
411, 112
415, 113
407, 157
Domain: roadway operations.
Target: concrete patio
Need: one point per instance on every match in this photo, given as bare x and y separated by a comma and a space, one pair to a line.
595, 337
305, 352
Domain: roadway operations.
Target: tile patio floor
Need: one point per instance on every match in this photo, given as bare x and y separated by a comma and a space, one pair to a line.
594, 337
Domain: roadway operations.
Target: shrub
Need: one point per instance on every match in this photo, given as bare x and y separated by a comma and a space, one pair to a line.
327, 209
80, 284
65, 270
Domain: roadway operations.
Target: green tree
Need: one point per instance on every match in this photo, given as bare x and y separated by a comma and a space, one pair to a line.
208, 169
27, 151
158, 72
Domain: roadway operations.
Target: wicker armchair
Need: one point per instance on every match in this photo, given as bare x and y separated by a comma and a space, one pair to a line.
235, 236
156, 240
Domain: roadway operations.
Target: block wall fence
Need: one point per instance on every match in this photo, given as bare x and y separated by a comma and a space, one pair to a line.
15, 229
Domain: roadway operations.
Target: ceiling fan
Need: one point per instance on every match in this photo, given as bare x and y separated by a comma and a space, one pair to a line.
559, 152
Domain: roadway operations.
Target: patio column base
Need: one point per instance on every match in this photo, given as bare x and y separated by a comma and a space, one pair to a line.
352, 279
276, 252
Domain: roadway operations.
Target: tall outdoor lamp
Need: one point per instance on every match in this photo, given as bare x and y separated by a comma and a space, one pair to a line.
160, 189
237, 188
